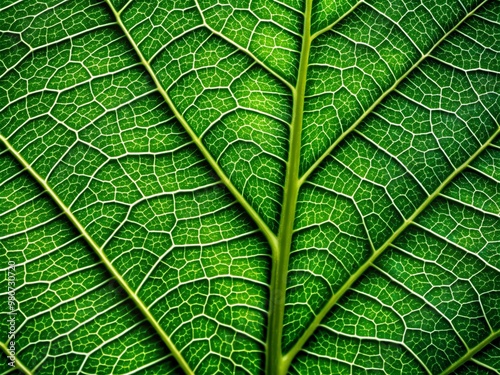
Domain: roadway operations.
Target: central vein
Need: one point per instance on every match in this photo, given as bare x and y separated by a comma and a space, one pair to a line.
274, 356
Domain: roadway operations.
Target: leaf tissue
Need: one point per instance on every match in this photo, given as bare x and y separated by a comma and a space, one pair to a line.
250, 187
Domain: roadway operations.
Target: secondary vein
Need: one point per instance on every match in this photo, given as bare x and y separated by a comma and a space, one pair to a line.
102, 256
470, 353
19, 365
266, 231
361, 270
334, 145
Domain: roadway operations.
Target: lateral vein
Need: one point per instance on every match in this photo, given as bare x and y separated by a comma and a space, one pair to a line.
311, 169
244, 50
470, 353
332, 25
102, 256
19, 365
266, 231
360, 271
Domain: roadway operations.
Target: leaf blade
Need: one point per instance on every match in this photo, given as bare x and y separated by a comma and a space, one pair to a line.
103, 127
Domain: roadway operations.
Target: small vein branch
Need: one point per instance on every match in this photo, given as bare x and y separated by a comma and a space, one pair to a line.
360, 271
268, 233
246, 51
332, 25
19, 365
100, 253
306, 175
470, 353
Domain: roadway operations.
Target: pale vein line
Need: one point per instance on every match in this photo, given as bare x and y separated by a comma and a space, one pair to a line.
329, 27
50, 44
384, 95
456, 245
396, 25
19, 364
397, 161
483, 173
479, 363
471, 206
270, 236
100, 253
378, 340
11, 5
423, 299
470, 353
360, 271
245, 51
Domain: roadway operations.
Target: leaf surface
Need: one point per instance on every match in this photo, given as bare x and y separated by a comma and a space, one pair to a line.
251, 186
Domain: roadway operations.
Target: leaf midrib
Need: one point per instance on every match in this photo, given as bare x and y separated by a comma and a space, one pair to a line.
279, 271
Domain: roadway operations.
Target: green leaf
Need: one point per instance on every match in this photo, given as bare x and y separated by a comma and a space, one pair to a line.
250, 186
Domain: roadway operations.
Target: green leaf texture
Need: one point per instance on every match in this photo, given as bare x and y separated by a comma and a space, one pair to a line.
251, 186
